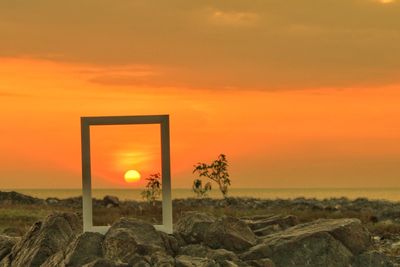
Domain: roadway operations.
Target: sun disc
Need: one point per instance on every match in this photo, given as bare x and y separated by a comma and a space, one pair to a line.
132, 176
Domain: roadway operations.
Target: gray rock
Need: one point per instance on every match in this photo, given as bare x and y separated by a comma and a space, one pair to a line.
44, 239
230, 233
189, 261
260, 222
262, 263
128, 237
161, 259
171, 243
307, 247
218, 255
84, 249
193, 225
105, 263
372, 259
319, 243
350, 232
6, 244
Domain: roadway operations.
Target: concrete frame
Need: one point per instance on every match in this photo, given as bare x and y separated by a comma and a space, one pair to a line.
87, 207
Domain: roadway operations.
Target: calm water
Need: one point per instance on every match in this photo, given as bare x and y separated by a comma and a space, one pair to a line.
319, 193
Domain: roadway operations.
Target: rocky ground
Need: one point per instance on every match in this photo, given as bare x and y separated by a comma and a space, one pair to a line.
209, 232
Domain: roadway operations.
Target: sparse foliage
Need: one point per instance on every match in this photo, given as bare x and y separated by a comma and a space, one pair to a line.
216, 171
153, 188
198, 188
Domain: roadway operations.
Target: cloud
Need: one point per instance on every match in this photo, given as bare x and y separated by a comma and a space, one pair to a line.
263, 44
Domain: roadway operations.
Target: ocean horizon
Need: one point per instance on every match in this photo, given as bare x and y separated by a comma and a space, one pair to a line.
391, 194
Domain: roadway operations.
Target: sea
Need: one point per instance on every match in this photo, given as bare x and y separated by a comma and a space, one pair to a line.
391, 194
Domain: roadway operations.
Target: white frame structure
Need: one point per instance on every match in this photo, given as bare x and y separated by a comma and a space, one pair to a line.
87, 207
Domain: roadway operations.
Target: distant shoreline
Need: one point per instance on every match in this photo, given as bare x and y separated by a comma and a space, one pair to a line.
390, 194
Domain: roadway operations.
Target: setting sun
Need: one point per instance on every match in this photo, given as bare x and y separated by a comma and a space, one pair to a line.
132, 176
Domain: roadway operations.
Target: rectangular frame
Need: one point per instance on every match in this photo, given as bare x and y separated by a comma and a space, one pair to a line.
87, 207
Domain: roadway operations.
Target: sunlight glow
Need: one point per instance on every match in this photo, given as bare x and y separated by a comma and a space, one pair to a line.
132, 176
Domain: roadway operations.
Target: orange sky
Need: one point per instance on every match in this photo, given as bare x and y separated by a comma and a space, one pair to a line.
304, 94
316, 137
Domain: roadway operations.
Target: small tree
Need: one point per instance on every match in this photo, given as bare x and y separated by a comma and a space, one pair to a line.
216, 171
198, 188
153, 188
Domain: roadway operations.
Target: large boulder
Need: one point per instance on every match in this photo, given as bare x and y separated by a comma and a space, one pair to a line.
192, 226
229, 233
128, 237
44, 239
372, 259
319, 243
84, 249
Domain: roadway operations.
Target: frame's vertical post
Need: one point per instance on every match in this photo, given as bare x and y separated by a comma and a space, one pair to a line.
166, 175
86, 177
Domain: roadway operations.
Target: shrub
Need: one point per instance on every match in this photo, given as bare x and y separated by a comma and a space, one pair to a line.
198, 188
153, 188
216, 171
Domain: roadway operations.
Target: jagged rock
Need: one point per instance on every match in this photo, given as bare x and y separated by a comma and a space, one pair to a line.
218, 255
6, 244
44, 239
84, 249
319, 243
260, 222
111, 201
128, 237
261, 263
267, 230
105, 263
171, 243
372, 259
189, 261
159, 259
229, 233
348, 231
256, 252
308, 249
193, 225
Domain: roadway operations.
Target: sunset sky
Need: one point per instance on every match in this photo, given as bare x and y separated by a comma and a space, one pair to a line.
295, 93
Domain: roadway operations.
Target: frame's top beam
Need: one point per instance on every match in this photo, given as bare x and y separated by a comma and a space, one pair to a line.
116, 120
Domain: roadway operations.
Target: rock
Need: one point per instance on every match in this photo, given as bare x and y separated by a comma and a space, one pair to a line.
171, 243
84, 249
308, 249
193, 225
189, 261
45, 239
13, 231
52, 200
162, 259
218, 255
140, 261
348, 231
283, 221
110, 201
372, 259
261, 263
259, 251
322, 242
128, 237
229, 233
267, 230
6, 244
105, 263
